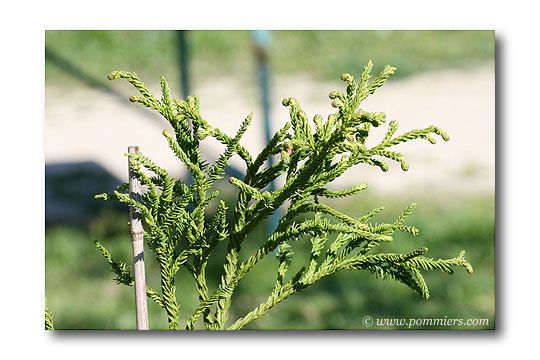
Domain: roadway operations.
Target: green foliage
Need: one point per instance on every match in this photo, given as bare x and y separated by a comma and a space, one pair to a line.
183, 235
48, 318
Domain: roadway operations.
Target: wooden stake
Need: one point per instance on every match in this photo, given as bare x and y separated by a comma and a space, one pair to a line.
137, 243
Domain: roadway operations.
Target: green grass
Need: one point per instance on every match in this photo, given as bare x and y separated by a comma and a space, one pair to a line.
323, 55
82, 295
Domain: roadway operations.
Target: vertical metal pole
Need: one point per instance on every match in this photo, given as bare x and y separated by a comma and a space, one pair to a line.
137, 243
183, 58
261, 38
184, 62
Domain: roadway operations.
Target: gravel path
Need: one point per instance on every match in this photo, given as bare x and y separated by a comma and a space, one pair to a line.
88, 125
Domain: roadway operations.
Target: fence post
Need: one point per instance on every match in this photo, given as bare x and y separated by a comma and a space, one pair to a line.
137, 243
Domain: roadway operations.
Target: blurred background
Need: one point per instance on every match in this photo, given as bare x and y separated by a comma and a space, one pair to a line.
444, 78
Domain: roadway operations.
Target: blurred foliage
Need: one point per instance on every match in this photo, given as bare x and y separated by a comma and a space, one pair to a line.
324, 54
81, 294
330, 53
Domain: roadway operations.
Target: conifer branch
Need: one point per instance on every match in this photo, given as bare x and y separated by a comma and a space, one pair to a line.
311, 156
49, 324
